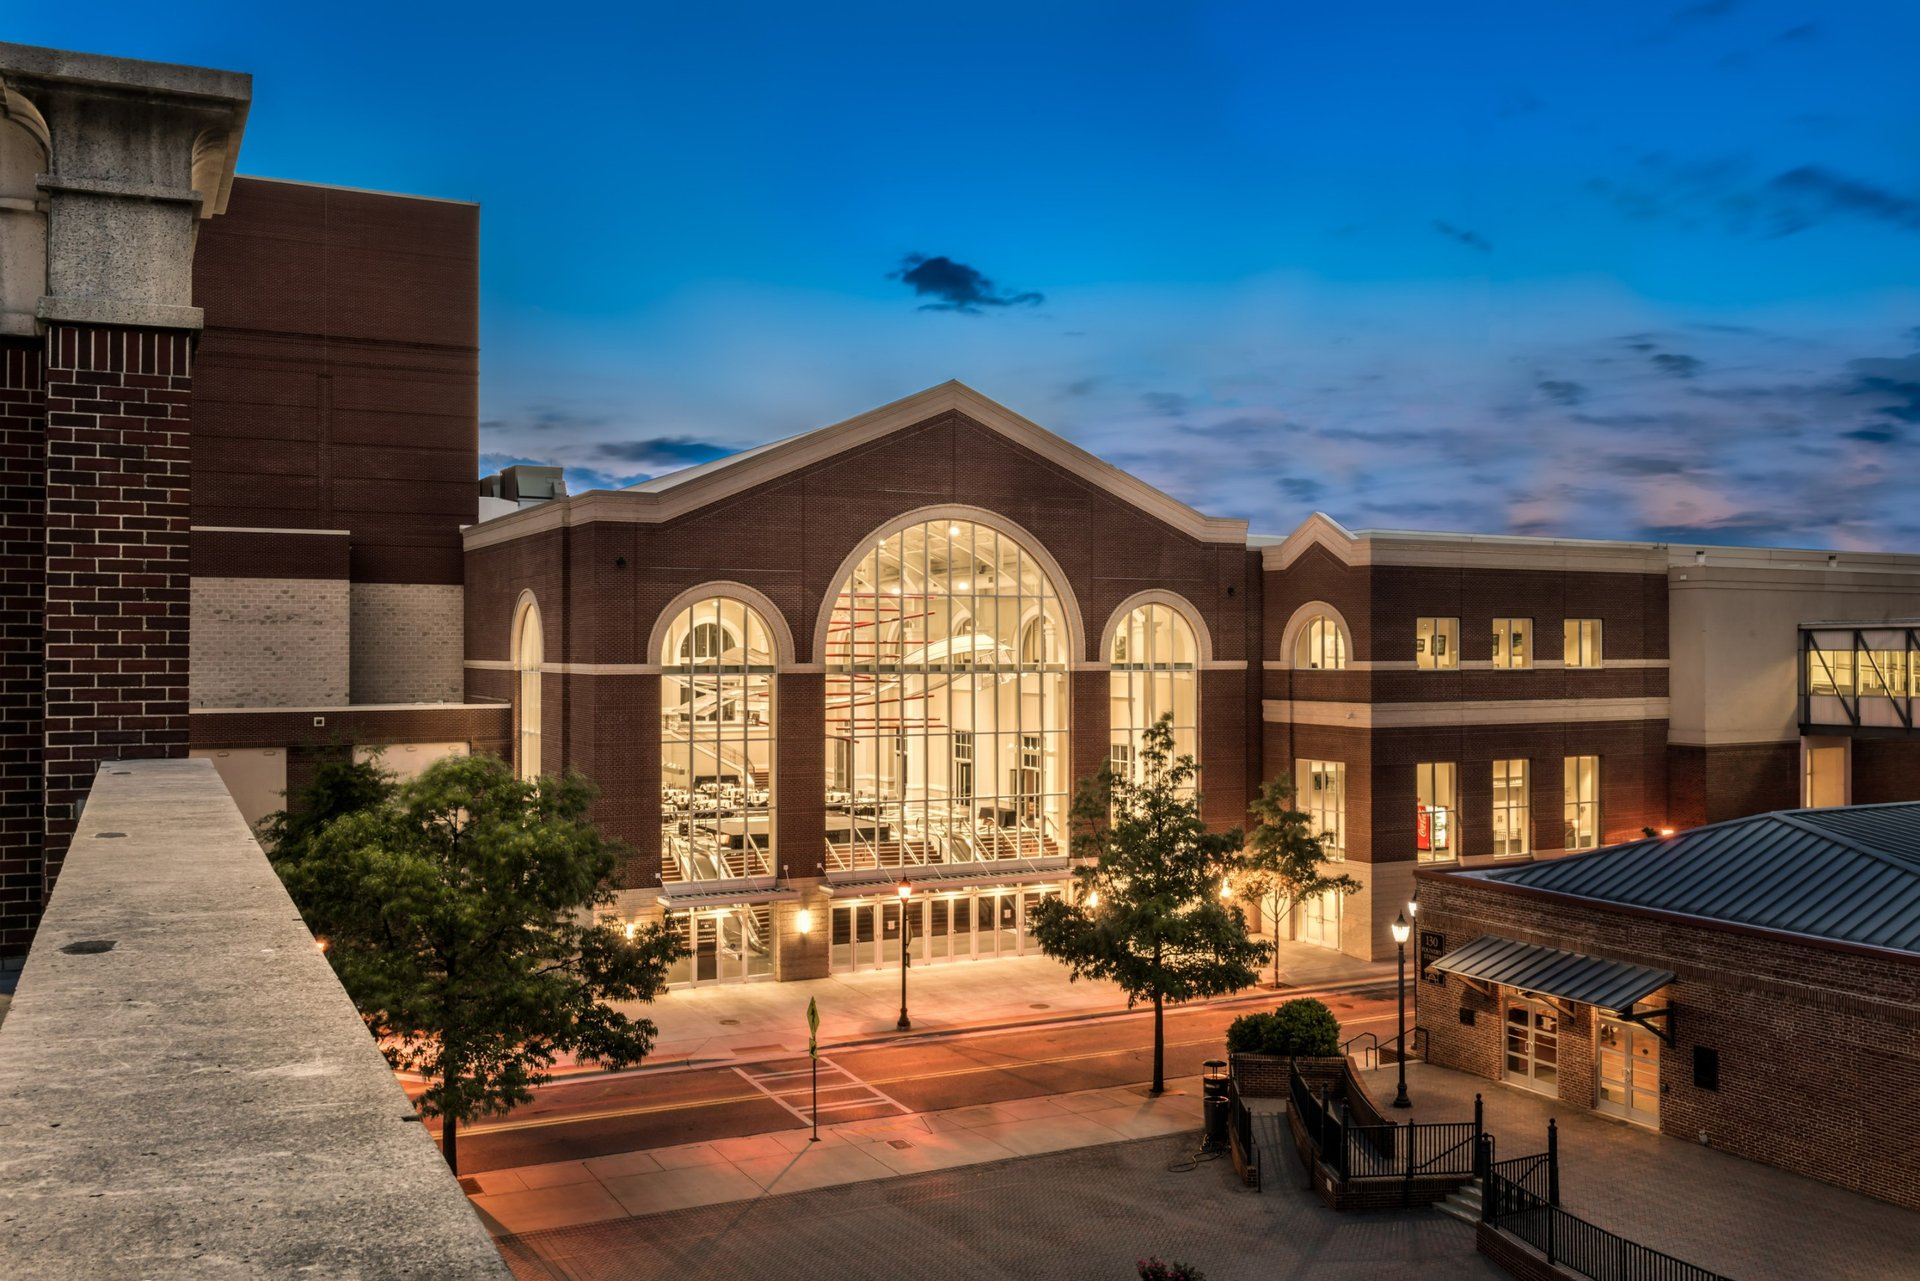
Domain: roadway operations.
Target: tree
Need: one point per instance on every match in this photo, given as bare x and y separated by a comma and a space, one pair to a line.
1286, 863
340, 785
459, 917
1151, 917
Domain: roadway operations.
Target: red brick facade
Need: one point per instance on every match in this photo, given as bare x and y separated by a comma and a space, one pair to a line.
23, 449
116, 556
1815, 1041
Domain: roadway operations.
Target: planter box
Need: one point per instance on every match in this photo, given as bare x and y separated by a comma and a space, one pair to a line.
1264, 1076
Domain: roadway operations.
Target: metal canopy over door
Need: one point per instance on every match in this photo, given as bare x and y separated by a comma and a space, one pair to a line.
1533, 1045
1629, 1061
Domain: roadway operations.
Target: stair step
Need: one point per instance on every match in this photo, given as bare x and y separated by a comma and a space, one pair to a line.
1453, 1209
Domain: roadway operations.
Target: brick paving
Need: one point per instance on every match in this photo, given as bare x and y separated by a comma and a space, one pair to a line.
1737, 1217
1084, 1215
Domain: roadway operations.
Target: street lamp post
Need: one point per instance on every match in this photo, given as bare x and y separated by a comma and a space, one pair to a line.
906, 942
1419, 972
1400, 932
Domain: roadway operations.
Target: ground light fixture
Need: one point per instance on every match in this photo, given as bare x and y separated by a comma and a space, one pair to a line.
905, 891
1401, 930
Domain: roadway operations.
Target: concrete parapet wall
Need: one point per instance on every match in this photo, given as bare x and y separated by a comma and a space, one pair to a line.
201, 1099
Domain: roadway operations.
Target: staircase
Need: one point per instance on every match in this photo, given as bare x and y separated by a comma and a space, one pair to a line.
1464, 1204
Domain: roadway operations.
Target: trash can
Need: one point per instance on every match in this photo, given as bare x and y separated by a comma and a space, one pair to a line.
1214, 1103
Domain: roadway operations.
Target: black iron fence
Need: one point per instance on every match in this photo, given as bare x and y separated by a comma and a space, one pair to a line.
1521, 1197
1240, 1133
1384, 1151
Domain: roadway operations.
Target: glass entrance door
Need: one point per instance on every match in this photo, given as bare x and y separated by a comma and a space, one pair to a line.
1320, 920
1629, 1071
1533, 1045
728, 945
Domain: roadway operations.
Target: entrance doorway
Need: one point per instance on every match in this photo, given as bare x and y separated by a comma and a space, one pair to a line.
967, 926
1629, 1071
1320, 920
1533, 1045
724, 945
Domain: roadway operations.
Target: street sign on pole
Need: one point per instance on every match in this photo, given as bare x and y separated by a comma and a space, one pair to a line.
813, 1054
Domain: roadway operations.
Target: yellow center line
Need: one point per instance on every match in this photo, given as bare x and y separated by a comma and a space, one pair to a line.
614, 1114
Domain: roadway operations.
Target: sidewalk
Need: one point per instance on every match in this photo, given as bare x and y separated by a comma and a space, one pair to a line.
714, 1024
630, 1184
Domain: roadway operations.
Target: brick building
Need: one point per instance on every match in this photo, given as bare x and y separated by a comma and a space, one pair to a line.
240, 417
239, 420
1727, 985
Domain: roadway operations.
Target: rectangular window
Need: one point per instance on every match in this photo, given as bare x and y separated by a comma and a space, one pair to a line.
1583, 802
963, 767
1512, 642
1830, 671
1436, 831
1321, 788
1436, 644
1512, 809
1583, 642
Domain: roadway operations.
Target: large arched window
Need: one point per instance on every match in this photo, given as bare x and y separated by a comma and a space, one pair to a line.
716, 743
946, 655
1154, 661
529, 651
1322, 646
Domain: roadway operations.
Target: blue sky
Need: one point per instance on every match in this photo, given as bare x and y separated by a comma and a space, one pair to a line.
1621, 270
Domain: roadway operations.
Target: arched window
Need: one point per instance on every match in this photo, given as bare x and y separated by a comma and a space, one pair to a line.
23, 218
716, 743
529, 649
1154, 665
1322, 646
947, 702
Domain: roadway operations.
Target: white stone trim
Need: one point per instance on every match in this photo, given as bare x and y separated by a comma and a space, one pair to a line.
726, 589
569, 669
673, 497
1455, 551
1069, 606
348, 707
1513, 711
1203, 638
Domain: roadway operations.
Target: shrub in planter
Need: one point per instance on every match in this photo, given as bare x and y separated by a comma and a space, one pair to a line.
1249, 1033
1305, 1028
1302, 1028
1155, 1270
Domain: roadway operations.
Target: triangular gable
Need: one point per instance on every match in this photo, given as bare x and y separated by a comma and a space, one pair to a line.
680, 493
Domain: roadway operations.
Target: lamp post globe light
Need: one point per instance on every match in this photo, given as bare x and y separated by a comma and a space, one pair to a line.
1419, 972
904, 890
1400, 932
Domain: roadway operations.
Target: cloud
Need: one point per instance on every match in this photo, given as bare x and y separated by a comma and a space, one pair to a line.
549, 418
1302, 489
1679, 366
954, 286
1562, 392
663, 453
1801, 196
1724, 191
1471, 239
1166, 404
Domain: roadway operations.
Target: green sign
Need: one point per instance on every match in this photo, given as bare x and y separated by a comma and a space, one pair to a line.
813, 1028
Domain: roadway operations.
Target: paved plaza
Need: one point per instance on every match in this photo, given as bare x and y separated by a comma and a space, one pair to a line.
1084, 1215
1737, 1217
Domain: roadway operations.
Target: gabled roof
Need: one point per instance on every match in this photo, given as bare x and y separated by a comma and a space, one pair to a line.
1850, 874
678, 493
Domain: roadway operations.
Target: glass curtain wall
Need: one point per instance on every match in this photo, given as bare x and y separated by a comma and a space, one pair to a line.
716, 744
946, 703
1155, 664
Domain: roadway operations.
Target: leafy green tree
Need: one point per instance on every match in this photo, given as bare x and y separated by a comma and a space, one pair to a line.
340, 785
1151, 917
459, 916
1287, 861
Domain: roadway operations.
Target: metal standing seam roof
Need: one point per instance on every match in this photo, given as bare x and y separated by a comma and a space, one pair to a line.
1849, 874
1548, 971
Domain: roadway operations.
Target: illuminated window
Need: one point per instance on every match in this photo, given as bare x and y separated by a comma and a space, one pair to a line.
528, 654
1435, 833
1154, 674
947, 664
1320, 789
1322, 646
1512, 642
1583, 802
1436, 644
716, 743
1582, 642
1512, 808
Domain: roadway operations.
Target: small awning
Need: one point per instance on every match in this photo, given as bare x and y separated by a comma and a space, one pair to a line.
934, 878
721, 894
1547, 971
